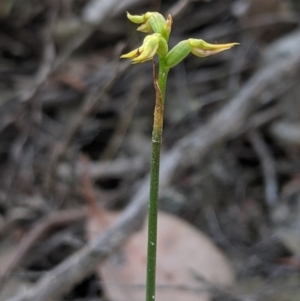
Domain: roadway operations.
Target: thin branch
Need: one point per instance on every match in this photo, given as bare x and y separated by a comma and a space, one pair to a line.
124, 122
268, 167
90, 103
107, 169
40, 229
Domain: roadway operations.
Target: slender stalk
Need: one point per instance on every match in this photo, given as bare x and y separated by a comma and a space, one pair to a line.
160, 89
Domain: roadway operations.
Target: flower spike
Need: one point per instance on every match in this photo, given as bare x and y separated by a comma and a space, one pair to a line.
157, 42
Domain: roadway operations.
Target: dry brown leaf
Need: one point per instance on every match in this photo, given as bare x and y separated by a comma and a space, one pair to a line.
183, 252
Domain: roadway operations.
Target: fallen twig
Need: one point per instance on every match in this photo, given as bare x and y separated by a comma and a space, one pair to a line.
268, 166
101, 170
40, 229
89, 104
124, 121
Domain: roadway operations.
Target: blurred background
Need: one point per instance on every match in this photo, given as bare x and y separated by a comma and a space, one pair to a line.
75, 138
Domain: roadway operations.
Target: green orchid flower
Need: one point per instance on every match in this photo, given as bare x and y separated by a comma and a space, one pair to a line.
152, 22
197, 47
152, 45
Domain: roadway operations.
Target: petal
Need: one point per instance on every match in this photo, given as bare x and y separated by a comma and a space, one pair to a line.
145, 27
206, 46
132, 54
146, 55
204, 53
137, 19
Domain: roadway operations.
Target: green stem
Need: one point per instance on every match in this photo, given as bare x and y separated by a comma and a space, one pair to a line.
160, 87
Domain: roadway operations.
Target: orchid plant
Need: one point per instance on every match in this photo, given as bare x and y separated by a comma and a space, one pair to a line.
156, 43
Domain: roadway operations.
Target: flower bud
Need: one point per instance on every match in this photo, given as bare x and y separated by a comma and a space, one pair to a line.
178, 53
